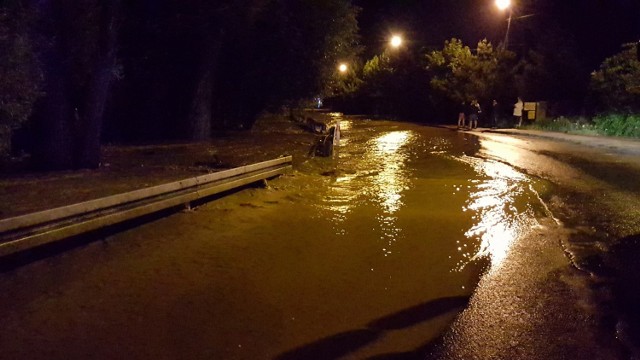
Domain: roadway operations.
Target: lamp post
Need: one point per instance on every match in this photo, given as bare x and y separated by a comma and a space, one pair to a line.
503, 5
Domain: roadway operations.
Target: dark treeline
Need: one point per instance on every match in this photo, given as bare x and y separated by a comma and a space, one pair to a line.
558, 52
76, 74
86, 72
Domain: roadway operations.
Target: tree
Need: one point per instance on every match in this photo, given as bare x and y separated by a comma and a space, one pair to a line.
549, 67
458, 75
299, 44
377, 74
90, 112
77, 49
258, 54
210, 24
616, 85
21, 76
344, 83
341, 45
186, 68
395, 84
377, 87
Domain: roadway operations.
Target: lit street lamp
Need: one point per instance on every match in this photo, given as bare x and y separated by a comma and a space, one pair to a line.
503, 5
343, 68
396, 41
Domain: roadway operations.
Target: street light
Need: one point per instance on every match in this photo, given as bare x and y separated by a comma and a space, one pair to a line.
396, 41
343, 68
503, 5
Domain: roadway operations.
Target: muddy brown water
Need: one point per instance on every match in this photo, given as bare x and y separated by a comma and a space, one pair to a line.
372, 251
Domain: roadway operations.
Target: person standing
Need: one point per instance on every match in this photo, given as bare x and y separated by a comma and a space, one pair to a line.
461, 116
517, 111
495, 110
475, 112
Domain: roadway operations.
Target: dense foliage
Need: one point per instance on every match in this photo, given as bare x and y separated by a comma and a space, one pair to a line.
618, 125
460, 75
616, 85
610, 124
395, 85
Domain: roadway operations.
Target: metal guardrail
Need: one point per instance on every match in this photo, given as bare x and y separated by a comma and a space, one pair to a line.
28, 231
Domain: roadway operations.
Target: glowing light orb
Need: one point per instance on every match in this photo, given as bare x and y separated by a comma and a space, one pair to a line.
503, 4
396, 41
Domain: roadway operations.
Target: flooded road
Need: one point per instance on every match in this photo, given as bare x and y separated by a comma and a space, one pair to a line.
372, 253
594, 196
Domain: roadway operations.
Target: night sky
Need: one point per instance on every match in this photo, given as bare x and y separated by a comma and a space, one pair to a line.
598, 27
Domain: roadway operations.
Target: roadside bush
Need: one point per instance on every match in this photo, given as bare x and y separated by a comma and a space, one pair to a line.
616, 85
558, 124
618, 125
577, 125
627, 125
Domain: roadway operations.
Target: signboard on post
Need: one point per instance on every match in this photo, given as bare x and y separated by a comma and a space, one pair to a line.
531, 108
535, 110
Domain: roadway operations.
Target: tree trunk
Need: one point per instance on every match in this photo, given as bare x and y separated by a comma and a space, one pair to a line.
202, 106
53, 117
5, 141
57, 139
89, 140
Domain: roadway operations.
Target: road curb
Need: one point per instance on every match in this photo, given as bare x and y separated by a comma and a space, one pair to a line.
628, 146
620, 144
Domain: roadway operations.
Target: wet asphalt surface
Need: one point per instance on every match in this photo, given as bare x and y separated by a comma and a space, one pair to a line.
410, 242
594, 196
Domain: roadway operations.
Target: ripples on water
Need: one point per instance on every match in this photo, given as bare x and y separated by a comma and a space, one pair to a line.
502, 204
499, 203
404, 218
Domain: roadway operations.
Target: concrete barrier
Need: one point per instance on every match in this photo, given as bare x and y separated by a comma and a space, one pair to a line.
28, 231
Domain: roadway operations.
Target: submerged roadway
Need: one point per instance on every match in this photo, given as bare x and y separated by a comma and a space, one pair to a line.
410, 242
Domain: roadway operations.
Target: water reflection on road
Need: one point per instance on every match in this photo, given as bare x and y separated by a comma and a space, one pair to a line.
500, 200
426, 213
503, 208
383, 165
372, 251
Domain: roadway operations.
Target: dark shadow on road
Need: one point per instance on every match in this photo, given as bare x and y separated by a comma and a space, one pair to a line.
419, 313
618, 269
623, 259
334, 346
342, 344
420, 353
